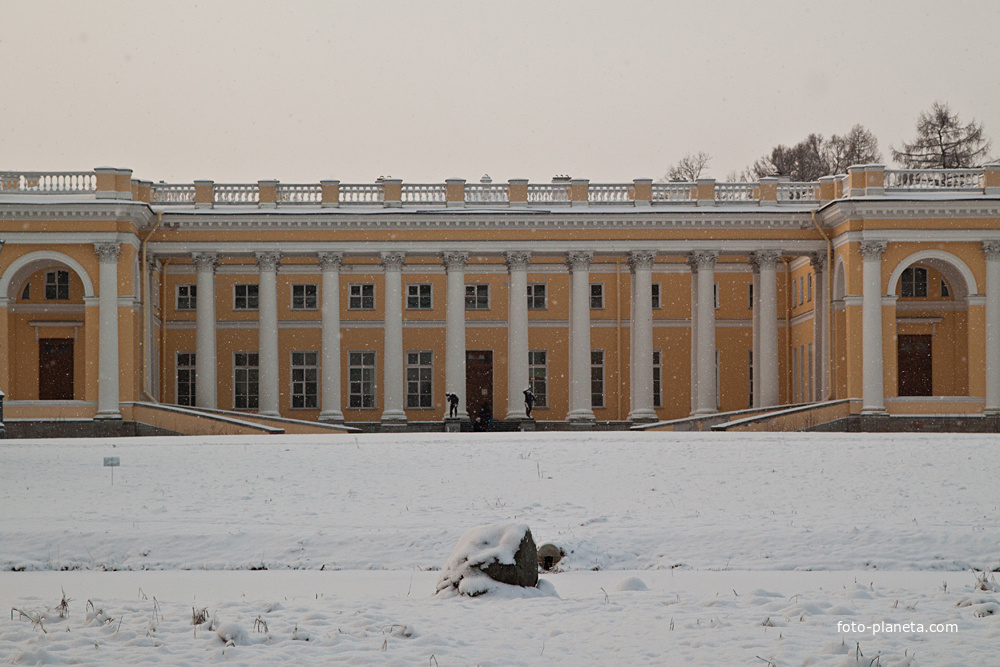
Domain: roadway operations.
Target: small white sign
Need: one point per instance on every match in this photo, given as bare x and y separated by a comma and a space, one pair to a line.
111, 461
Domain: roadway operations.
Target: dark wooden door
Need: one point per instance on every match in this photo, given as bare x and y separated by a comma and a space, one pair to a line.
914, 356
479, 383
55, 369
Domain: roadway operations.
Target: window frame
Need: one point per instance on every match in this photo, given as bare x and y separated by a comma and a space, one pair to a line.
656, 296
600, 380
912, 282
476, 296
305, 367
250, 296
372, 381
192, 383
59, 287
599, 296
532, 296
541, 395
252, 399
305, 298
360, 296
420, 399
657, 378
420, 301
191, 297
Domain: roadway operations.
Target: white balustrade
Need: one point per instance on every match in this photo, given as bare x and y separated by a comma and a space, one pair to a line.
797, 192
548, 193
735, 191
673, 191
171, 193
49, 182
614, 193
237, 193
415, 193
361, 194
299, 194
933, 179
483, 193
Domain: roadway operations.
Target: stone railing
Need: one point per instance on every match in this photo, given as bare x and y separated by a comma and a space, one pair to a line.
861, 180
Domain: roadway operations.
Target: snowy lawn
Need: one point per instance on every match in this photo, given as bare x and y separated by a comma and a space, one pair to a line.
753, 549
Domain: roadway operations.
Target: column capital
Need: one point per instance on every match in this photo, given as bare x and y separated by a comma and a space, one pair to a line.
454, 261
107, 253
268, 260
579, 260
768, 259
393, 260
330, 261
702, 259
517, 260
872, 250
818, 261
641, 259
205, 261
992, 249
754, 262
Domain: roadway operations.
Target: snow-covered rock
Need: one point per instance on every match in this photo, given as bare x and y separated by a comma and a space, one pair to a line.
502, 553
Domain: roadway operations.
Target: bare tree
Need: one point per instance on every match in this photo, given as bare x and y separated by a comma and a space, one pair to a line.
688, 168
943, 142
815, 156
858, 146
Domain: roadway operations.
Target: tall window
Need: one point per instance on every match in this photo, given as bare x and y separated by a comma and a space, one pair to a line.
749, 296
305, 296
809, 287
361, 374
185, 378
56, 285
305, 385
420, 379
656, 296
715, 295
597, 378
536, 296
802, 289
914, 282
361, 296
418, 296
246, 388
795, 292
246, 297
187, 297
477, 297
657, 380
538, 374
597, 296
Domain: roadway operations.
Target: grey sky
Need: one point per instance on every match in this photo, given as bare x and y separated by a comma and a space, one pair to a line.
423, 91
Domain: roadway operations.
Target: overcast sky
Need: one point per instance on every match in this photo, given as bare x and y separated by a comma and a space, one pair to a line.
423, 91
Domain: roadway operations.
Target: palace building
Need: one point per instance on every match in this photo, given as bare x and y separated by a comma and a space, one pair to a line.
208, 307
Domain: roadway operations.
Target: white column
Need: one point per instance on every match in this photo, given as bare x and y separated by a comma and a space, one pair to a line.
707, 390
454, 346
205, 363
992, 251
580, 412
392, 362
147, 328
107, 355
768, 326
641, 331
693, 265
329, 264
821, 338
755, 327
267, 331
517, 333
873, 396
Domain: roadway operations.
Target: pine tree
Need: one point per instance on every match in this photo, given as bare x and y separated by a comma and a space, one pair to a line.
943, 142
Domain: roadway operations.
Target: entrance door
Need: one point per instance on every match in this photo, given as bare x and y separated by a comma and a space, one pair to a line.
55, 369
479, 383
914, 358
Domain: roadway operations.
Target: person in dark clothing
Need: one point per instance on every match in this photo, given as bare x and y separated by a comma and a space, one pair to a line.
529, 402
452, 405
484, 417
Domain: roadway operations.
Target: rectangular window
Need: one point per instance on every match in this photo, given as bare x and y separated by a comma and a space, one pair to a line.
305, 380
185, 378
656, 296
246, 388
597, 296
361, 296
795, 292
597, 378
57, 285
477, 297
749, 296
914, 282
418, 296
361, 375
536, 297
809, 287
187, 297
715, 295
657, 380
420, 379
538, 375
245, 297
305, 296
802, 290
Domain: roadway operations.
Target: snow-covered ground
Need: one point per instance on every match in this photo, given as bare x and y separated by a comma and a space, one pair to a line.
753, 548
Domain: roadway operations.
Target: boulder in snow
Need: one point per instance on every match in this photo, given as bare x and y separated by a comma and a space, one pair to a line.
493, 553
